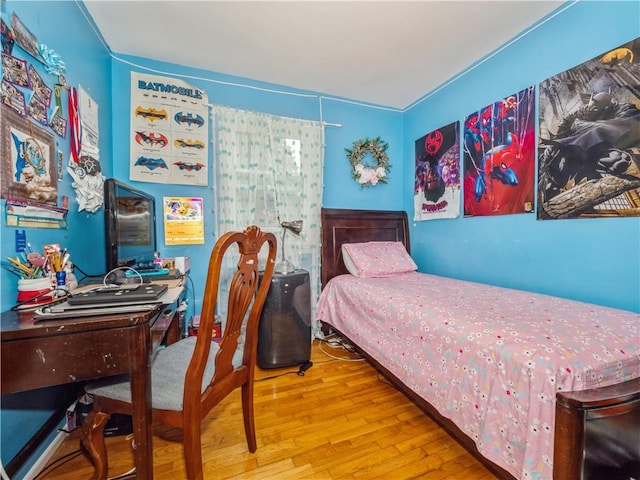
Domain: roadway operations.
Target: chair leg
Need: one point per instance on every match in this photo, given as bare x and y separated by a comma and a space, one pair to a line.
93, 440
247, 413
192, 445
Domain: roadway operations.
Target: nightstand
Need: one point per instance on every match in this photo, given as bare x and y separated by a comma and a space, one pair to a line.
284, 332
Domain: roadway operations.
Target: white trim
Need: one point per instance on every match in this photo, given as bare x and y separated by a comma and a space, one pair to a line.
43, 460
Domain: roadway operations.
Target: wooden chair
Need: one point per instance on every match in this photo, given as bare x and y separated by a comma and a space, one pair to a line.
191, 376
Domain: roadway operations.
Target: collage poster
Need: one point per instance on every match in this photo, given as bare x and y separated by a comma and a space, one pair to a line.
589, 140
436, 192
169, 131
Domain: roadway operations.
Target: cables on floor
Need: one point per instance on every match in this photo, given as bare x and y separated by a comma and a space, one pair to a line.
303, 367
58, 462
332, 344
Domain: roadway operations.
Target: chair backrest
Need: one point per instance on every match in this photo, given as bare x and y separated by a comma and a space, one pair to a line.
246, 299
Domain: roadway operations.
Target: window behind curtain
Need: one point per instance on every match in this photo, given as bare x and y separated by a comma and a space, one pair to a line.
268, 170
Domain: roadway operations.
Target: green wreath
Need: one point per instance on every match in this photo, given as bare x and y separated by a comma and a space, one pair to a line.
368, 174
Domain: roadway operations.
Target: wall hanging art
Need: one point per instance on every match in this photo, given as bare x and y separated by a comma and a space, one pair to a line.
589, 139
499, 157
169, 131
436, 191
369, 161
28, 164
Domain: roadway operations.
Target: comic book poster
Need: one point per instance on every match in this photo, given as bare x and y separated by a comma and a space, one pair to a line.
499, 157
169, 131
589, 140
437, 184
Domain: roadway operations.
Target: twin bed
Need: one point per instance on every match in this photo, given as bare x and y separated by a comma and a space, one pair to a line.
535, 386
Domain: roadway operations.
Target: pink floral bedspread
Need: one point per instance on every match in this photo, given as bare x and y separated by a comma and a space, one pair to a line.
488, 358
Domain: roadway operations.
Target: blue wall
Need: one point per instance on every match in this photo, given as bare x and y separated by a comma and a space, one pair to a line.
63, 27
593, 260
358, 121
107, 78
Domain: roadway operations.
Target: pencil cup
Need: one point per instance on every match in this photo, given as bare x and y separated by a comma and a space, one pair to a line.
33, 291
61, 282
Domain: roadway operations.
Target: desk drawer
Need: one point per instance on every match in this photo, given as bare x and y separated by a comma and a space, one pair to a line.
42, 362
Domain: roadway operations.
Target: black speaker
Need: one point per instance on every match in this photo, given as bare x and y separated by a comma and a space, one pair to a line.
284, 332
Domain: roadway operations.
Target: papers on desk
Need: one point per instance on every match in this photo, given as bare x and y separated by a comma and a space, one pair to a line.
64, 310
171, 295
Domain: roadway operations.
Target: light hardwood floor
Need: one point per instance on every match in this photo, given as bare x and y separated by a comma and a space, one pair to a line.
341, 420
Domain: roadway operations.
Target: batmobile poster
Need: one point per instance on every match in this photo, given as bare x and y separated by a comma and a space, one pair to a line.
169, 131
499, 157
589, 141
436, 191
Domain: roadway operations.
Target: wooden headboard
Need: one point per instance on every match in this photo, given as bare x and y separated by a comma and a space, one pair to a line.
350, 226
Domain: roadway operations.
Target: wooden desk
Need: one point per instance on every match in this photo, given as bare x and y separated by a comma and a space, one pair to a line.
56, 352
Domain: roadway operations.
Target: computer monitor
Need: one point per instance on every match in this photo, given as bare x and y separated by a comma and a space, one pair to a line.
130, 226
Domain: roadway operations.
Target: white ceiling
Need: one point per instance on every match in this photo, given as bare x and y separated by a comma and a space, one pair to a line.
389, 53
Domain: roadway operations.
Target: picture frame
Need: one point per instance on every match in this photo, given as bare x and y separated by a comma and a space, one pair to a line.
13, 97
40, 87
15, 71
28, 159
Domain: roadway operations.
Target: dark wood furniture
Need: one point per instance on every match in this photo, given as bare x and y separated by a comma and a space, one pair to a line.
597, 433
574, 410
186, 401
58, 352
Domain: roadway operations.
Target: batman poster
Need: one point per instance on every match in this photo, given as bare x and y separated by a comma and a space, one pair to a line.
589, 140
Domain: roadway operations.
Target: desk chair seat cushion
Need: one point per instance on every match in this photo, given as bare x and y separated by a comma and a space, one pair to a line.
167, 376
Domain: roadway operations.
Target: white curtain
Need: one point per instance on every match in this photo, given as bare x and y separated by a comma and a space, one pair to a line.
268, 170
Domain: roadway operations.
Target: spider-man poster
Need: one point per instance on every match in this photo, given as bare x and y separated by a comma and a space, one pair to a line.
436, 193
589, 142
499, 157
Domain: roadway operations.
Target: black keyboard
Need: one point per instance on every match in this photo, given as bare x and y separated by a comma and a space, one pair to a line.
123, 294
